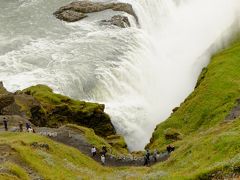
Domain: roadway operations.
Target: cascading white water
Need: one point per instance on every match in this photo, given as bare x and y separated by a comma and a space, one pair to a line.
139, 73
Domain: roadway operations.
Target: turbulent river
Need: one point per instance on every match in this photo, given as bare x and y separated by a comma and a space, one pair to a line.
140, 73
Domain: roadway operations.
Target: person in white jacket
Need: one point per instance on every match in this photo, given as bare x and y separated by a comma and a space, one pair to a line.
93, 151
103, 159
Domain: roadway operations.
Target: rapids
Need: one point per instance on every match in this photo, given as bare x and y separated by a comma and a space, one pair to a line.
140, 73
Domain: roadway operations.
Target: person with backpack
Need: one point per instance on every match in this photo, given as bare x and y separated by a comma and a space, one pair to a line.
20, 123
27, 126
146, 157
155, 153
5, 124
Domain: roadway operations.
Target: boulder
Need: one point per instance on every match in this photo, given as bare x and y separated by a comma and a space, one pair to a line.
70, 15
90, 7
118, 20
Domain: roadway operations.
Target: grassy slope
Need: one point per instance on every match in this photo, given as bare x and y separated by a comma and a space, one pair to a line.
208, 143
117, 148
59, 162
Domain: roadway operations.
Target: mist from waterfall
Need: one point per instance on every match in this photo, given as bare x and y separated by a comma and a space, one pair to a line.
139, 73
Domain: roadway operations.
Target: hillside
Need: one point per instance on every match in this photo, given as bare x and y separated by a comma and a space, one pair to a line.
206, 127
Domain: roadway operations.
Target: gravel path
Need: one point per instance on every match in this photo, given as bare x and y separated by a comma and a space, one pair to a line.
72, 138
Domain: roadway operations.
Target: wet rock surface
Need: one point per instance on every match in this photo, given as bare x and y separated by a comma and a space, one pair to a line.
70, 16
118, 20
79, 10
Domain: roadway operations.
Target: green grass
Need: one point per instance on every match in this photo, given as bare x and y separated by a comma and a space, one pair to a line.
209, 144
217, 149
211, 101
45, 95
16, 170
117, 148
60, 161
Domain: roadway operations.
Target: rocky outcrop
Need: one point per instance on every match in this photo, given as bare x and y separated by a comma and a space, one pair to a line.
78, 10
54, 110
6, 100
44, 108
118, 20
70, 16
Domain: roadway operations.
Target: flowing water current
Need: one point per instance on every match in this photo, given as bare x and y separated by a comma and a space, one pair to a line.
140, 73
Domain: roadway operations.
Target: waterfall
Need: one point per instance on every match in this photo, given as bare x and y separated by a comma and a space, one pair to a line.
139, 73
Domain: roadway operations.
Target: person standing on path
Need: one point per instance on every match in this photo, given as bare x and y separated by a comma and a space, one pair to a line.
104, 150
147, 157
5, 123
155, 153
27, 126
103, 159
20, 126
93, 151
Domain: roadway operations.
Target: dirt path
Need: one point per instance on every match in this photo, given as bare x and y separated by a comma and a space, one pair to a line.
72, 138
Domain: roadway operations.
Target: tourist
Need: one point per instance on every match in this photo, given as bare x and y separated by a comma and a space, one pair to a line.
148, 155
155, 153
145, 160
5, 123
27, 126
93, 151
20, 126
103, 159
30, 130
170, 148
104, 150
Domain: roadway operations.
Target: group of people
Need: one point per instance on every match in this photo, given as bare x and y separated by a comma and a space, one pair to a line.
170, 148
147, 157
103, 153
20, 124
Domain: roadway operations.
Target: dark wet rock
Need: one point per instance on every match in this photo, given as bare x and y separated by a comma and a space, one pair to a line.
90, 7
118, 20
70, 15
175, 109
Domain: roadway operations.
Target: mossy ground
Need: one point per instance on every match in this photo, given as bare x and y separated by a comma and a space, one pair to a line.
59, 162
118, 147
209, 142
47, 108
